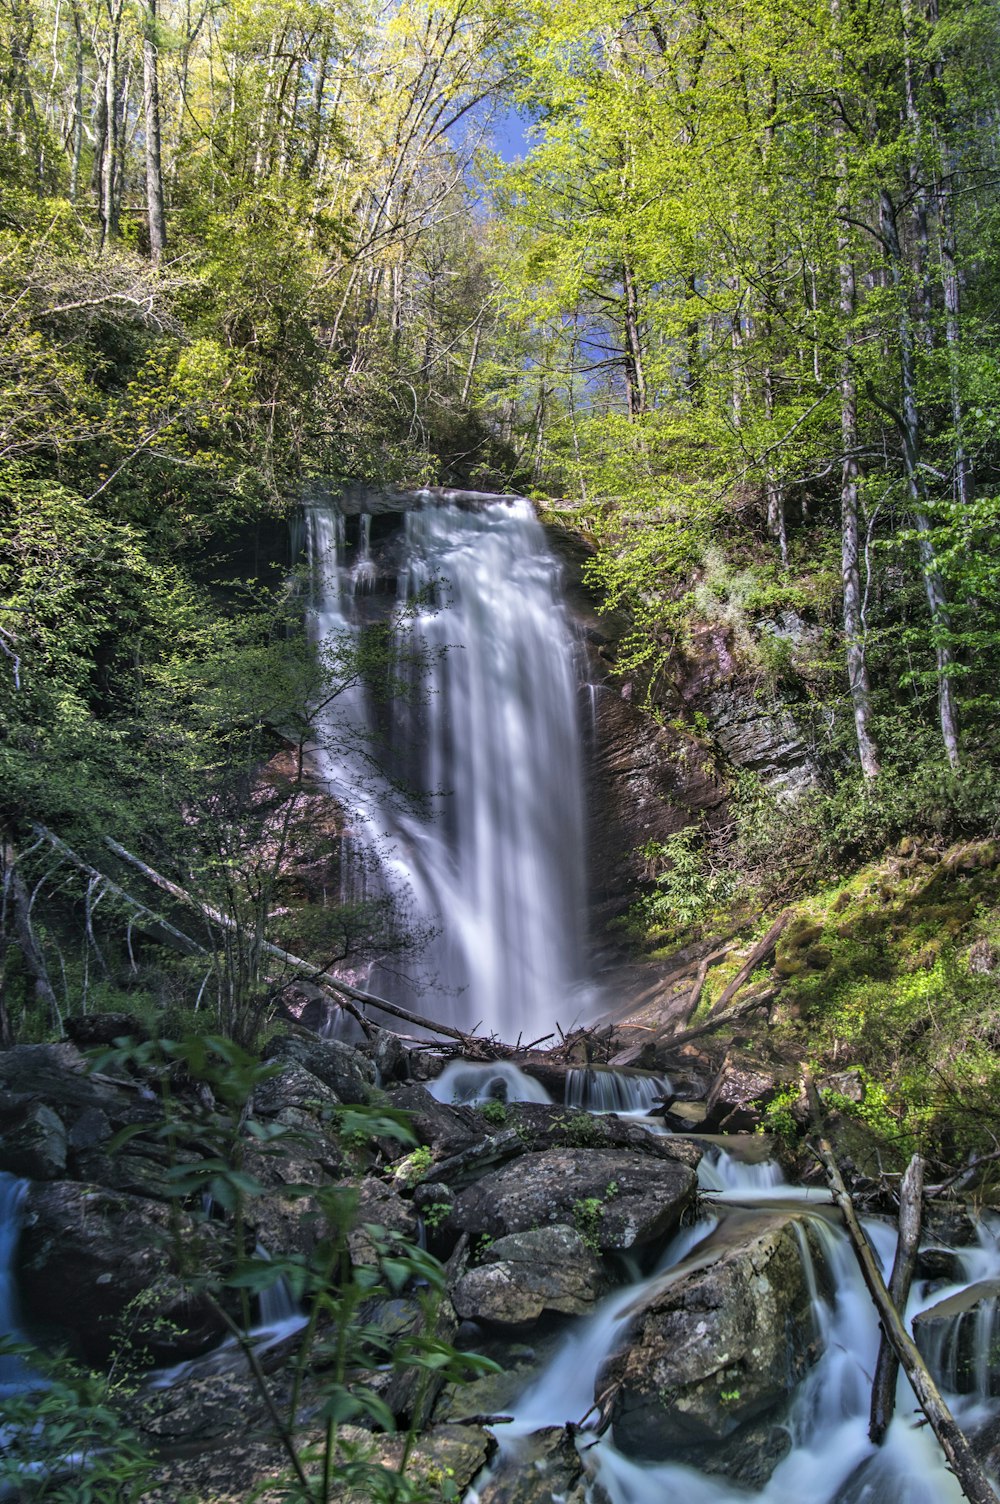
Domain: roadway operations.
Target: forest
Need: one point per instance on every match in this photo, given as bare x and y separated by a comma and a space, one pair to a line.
715, 286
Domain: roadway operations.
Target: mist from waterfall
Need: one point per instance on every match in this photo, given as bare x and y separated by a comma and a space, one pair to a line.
488, 852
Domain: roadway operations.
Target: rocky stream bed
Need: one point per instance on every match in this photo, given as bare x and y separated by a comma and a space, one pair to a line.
650, 1288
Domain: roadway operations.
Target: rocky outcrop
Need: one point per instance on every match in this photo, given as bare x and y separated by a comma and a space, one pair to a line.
520, 1276
105, 1269
540, 1469
713, 1348
615, 1199
344, 1070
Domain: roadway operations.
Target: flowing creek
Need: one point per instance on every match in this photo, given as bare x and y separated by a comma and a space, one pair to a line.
831, 1460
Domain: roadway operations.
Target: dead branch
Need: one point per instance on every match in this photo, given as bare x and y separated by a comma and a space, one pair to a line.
160, 928
760, 953
294, 963
971, 1478
903, 1266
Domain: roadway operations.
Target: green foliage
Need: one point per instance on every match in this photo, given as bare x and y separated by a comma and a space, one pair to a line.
777, 1116
686, 886
494, 1112
65, 1442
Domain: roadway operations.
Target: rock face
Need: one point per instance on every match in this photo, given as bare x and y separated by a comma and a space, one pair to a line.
716, 1347
545, 1269
542, 1468
615, 1199
957, 1339
347, 1073
736, 1100
104, 1267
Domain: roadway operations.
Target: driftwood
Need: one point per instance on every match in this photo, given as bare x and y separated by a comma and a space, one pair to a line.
971, 1478
760, 953
756, 1000
903, 1266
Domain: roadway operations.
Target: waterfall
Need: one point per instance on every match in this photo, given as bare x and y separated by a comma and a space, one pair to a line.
489, 857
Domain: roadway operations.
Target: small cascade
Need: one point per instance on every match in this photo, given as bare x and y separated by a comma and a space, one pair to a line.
468, 1083
278, 1311
14, 1373
600, 1089
957, 1328
831, 1460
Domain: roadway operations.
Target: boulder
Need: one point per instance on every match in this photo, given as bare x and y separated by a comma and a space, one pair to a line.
293, 1087
90, 1030
56, 1074
104, 1266
615, 1199
718, 1342
538, 1469
33, 1142
736, 1100
520, 1276
348, 1074
379, 1207
447, 1130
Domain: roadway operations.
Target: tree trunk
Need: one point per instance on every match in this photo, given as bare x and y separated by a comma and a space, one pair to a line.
850, 574
31, 951
154, 167
933, 583
635, 375
903, 1266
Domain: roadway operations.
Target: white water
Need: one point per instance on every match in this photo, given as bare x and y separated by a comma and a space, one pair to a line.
467, 1082
14, 1373
493, 860
599, 1089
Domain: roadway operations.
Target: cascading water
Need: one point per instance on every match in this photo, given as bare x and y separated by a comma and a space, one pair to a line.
469, 1083
598, 1089
831, 1460
491, 859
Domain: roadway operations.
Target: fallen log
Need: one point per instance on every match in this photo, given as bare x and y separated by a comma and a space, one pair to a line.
153, 923
295, 964
749, 1005
968, 1471
760, 953
903, 1266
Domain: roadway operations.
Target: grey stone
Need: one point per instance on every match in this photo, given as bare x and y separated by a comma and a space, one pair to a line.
348, 1073
716, 1345
617, 1199
35, 1145
520, 1276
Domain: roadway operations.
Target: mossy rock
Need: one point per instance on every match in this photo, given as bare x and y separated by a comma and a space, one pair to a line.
819, 957
802, 932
